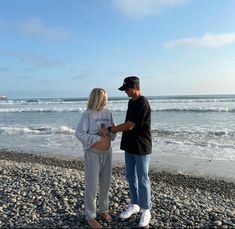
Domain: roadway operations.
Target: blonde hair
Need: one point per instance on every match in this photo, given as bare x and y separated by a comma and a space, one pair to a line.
97, 99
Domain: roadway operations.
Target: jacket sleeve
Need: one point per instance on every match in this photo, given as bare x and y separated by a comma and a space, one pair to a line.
82, 131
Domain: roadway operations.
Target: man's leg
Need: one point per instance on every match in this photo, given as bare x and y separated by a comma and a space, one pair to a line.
144, 185
132, 177
133, 208
144, 188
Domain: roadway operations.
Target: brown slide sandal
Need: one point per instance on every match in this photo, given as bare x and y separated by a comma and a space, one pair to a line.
94, 223
105, 216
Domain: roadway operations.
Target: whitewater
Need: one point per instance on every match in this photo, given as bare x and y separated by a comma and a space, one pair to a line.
185, 126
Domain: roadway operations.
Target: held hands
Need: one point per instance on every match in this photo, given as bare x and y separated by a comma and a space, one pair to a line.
105, 135
105, 139
104, 132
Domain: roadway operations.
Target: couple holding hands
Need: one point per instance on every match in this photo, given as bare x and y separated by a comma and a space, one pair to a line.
96, 130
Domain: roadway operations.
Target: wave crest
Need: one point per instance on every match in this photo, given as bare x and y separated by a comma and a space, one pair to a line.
36, 130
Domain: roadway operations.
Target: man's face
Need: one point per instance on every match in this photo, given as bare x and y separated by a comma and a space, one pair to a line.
130, 92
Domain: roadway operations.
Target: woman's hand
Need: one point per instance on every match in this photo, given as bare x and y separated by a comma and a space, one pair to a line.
105, 139
104, 132
104, 143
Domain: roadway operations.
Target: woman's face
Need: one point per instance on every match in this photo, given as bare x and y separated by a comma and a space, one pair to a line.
104, 100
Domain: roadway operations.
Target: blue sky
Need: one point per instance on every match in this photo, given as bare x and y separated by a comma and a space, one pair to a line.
64, 48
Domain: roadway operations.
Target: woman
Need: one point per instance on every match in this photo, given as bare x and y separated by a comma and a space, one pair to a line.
98, 155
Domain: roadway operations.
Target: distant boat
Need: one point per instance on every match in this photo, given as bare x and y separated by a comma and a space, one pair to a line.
3, 97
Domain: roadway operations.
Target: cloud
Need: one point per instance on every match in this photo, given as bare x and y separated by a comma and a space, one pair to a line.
141, 8
208, 40
36, 27
4, 69
81, 74
33, 59
3, 25
40, 61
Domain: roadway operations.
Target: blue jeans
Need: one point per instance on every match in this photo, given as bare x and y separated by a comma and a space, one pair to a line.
137, 167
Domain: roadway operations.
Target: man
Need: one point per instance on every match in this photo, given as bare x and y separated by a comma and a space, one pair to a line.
137, 143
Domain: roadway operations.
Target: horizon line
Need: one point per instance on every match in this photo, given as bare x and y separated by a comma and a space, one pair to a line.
111, 97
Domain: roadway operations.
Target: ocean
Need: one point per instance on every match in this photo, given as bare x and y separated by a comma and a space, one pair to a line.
189, 126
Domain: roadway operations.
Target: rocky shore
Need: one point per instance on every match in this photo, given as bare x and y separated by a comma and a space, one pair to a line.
47, 192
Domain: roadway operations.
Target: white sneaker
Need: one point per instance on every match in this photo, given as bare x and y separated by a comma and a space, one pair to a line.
145, 218
132, 209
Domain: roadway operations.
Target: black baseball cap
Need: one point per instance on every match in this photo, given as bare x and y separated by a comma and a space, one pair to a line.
129, 82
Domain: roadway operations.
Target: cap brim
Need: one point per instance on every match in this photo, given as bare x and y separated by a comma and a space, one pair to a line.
122, 88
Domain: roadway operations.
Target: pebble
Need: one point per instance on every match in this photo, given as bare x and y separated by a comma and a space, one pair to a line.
42, 192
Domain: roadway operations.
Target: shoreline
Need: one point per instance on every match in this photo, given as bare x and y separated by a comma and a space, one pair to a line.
195, 167
39, 191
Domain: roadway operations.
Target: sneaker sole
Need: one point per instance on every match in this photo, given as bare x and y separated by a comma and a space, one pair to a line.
128, 216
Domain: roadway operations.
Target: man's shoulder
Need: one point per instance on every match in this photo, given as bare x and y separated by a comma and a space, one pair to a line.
143, 100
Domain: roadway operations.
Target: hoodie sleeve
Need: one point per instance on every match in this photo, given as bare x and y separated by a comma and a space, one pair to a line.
113, 135
82, 131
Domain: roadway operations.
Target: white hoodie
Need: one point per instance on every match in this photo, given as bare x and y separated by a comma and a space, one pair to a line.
89, 125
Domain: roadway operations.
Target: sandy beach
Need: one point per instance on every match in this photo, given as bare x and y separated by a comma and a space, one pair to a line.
47, 192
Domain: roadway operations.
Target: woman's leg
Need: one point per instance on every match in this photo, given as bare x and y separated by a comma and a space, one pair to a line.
105, 177
92, 167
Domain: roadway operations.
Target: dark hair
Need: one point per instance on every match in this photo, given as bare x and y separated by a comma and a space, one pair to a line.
130, 82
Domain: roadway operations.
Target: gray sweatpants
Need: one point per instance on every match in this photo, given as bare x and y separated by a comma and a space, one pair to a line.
98, 174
